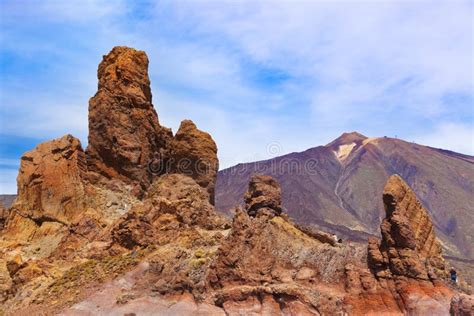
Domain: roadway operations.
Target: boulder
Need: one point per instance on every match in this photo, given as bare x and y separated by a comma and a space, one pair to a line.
125, 136
263, 195
462, 305
194, 154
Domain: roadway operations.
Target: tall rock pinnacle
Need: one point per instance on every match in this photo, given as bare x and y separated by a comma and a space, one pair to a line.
124, 132
409, 246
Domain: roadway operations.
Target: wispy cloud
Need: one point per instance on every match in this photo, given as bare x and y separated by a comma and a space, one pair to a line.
250, 72
449, 135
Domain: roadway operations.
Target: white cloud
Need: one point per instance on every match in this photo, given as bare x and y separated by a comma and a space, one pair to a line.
453, 136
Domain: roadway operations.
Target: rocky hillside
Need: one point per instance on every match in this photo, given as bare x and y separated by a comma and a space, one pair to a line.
128, 227
337, 187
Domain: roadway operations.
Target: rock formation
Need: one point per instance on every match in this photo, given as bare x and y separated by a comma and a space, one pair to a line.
172, 195
127, 229
51, 191
128, 147
263, 195
408, 261
267, 265
124, 132
194, 154
409, 246
462, 305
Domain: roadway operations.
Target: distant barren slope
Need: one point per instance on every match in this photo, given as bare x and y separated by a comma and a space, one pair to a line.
338, 186
6, 200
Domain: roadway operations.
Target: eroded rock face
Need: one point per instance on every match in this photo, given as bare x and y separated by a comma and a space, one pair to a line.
409, 246
407, 261
263, 195
266, 259
174, 195
50, 184
124, 133
194, 154
462, 305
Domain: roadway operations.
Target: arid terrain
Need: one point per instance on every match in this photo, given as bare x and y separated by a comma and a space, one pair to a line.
334, 186
128, 226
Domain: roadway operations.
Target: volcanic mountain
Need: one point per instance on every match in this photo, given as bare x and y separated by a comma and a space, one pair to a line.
337, 186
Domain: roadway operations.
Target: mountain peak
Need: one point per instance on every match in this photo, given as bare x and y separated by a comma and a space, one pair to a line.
347, 138
345, 144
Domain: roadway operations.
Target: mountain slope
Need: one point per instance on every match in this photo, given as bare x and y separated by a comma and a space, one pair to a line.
338, 186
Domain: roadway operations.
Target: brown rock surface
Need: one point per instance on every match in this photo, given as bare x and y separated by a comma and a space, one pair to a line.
175, 199
263, 194
408, 261
124, 132
194, 154
409, 246
50, 187
267, 256
462, 305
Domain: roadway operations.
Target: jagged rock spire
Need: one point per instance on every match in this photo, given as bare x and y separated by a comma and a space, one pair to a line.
124, 132
409, 246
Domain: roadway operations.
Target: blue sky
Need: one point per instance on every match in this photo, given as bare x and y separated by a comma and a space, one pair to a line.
263, 77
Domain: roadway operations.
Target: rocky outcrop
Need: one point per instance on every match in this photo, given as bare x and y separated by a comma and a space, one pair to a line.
128, 147
172, 196
124, 133
409, 246
407, 261
266, 259
462, 305
50, 186
263, 196
194, 154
